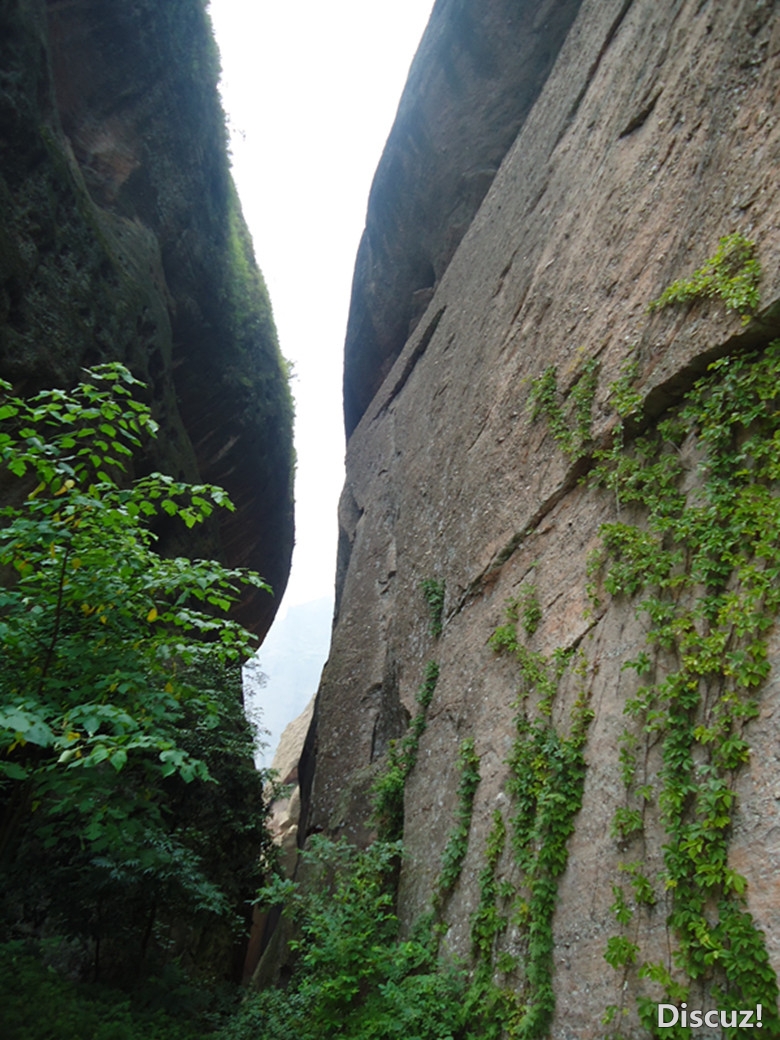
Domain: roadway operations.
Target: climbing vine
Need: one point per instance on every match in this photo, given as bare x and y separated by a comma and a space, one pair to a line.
388, 788
731, 275
525, 608
547, 774
569, 418
701, 560
433, 593
457, 843
703, 565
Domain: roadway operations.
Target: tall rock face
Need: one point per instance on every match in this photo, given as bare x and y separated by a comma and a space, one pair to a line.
625, 715
472, 84
122, 239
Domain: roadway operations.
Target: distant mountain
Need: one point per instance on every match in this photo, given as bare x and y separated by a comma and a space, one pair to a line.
287, 670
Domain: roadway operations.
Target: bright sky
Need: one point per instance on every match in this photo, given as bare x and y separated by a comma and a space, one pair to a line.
311, 90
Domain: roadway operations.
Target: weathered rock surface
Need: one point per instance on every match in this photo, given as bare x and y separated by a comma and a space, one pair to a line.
474, 79
122, 239
656, 132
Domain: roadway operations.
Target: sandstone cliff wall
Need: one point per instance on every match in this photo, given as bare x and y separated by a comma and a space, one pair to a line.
655, 133
122, 239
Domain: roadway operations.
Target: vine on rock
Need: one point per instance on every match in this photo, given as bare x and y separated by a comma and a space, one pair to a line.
457, 843
731, 275
433, 593
388, 788
547, 775
704, 564
570, 427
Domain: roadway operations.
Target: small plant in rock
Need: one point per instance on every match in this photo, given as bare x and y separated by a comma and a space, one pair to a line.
572, 431
433, 593
731, 275
526, 608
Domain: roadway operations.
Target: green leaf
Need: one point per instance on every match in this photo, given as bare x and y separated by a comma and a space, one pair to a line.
119, 759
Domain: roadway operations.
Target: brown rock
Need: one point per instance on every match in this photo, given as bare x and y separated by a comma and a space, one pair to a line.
475, 77
656, 133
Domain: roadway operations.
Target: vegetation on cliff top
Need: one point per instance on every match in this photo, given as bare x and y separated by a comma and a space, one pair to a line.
139, 253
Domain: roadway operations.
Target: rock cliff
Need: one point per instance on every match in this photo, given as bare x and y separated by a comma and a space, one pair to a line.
541, 450
122, 239
472, 83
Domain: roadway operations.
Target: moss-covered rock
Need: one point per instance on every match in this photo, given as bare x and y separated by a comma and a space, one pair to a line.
122, 238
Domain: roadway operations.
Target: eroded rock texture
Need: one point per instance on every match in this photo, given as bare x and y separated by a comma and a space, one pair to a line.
652, 130
122, 239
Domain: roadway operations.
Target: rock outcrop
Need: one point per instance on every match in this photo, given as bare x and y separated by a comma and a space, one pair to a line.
122, 239
649, 131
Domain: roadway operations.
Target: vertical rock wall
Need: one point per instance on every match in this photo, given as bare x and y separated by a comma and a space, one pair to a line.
122, 239
655, 133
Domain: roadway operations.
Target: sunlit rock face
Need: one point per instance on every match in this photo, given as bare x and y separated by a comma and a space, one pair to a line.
655, 132
122, 239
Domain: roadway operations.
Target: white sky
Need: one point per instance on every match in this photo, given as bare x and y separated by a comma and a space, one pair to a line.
311, 89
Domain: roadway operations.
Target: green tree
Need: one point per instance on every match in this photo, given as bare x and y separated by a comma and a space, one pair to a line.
116, 699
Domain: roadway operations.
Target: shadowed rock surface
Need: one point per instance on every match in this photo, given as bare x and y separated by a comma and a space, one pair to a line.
122, 239
654, 132
475, 77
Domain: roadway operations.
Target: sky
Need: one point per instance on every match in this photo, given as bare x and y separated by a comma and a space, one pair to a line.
310, 90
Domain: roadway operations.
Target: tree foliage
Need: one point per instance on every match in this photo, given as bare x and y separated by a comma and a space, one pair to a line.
120, 719
355, 977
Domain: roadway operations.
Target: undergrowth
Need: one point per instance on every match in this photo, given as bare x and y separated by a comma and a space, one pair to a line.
39, 1003
355, 976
